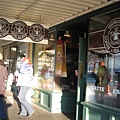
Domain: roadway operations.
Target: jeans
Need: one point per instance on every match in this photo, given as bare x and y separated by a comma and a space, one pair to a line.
2, 108
25, 106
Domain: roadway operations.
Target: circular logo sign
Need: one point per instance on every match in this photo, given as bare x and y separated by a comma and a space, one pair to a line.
4, 27
19, 30
111, 36
37, 32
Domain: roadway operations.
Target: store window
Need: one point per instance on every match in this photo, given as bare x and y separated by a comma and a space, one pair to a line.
46, 55
103, 77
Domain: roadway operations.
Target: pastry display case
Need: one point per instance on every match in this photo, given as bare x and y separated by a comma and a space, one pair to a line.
46, 69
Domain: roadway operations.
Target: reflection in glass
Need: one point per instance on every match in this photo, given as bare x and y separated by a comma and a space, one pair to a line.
98, 90
46, 69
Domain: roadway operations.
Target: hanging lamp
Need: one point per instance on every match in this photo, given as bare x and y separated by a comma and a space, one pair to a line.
52, 37
67, 34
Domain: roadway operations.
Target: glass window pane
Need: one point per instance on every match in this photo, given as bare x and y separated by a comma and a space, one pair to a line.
46, 66
103, 77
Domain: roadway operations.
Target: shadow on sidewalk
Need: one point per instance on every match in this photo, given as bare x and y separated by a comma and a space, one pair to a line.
3, 108
17, 100
15, 91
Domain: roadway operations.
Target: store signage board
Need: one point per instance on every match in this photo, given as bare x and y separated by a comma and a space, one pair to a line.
20, 30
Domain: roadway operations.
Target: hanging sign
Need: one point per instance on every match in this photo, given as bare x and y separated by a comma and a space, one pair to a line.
60, 68
4, 27
36, 32
111, 36
19, 30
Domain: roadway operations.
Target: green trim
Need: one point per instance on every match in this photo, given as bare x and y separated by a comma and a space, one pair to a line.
47, 91
46, 98
102, 108
44, 90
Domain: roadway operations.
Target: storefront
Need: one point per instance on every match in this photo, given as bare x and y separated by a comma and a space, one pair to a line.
102, 88
57, 88
97, 99
13, 53
52, 88
9, 57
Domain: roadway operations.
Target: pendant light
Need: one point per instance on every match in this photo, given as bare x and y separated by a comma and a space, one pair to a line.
52, 37
67, 34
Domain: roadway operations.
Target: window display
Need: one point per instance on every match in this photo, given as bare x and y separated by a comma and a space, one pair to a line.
46, 69
103, 77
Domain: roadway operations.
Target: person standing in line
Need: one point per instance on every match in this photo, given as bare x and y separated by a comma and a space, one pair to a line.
104, 74
3, 77
25, 79
104, 79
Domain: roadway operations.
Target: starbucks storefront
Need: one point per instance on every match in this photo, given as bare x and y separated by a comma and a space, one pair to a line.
102, 100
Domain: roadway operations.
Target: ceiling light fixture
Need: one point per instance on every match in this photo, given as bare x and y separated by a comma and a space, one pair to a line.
52, 38
67, 34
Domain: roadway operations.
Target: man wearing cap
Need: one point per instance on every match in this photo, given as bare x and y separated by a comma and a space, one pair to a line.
104, 79
103, 73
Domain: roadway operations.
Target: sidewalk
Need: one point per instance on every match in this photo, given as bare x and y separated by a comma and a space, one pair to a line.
40, 114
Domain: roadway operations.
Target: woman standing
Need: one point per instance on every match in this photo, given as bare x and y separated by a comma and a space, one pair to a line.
25, 78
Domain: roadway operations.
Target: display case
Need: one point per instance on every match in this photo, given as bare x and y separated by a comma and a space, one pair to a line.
46, 69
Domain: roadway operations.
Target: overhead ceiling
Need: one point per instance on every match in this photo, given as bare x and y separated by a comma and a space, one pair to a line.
49, 12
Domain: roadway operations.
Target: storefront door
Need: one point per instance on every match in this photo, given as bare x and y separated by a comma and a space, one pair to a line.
81, 77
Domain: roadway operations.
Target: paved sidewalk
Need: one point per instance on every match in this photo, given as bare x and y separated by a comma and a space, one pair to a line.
40, 114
